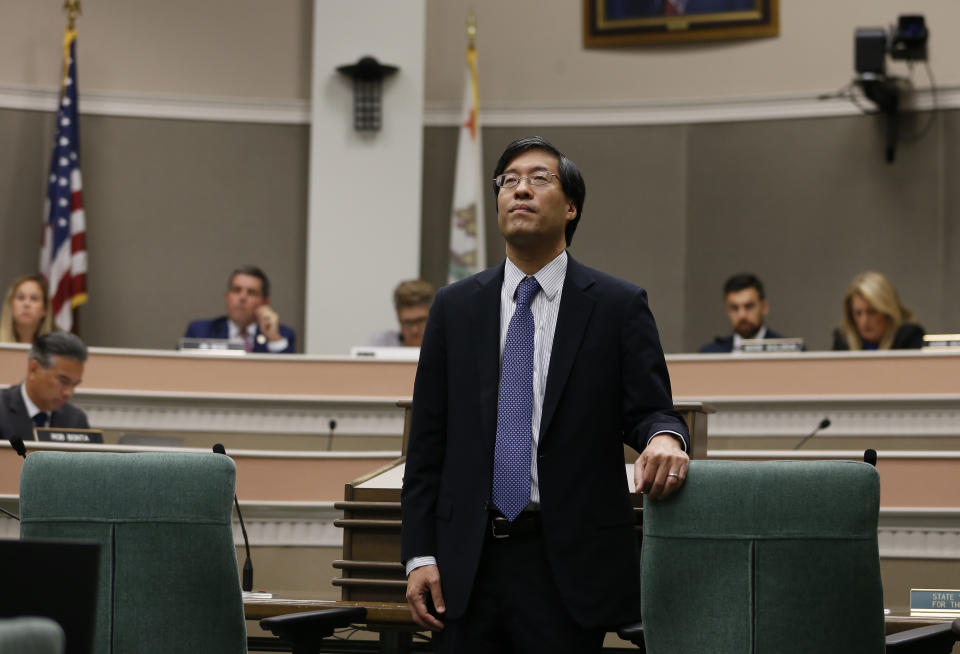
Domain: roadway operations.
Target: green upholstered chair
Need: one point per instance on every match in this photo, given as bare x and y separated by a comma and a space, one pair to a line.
168, 567
31, 635
766, 558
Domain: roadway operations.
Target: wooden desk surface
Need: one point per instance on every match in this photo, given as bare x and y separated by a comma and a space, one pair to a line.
390, 613
693, 376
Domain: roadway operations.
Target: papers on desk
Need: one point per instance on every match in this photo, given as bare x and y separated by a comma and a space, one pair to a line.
393, 478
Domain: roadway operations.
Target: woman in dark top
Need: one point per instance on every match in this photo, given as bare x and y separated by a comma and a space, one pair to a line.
874, 318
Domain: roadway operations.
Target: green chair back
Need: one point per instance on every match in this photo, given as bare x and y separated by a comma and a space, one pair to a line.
764, 558
31, 635
168, 567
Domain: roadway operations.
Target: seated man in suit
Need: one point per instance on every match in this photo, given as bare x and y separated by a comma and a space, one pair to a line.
54, 369
747, 309
250, 317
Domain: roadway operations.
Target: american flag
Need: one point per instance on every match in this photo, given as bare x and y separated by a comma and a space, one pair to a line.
63, 252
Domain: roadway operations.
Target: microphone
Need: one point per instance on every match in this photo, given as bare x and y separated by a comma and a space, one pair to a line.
9, 515
247, 566
333, 425
18, 446
823, 425
870, 456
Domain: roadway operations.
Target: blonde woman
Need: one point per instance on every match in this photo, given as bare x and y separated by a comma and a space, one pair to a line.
874, 318
26, 311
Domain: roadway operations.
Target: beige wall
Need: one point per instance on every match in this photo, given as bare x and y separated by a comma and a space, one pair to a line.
242, 48
529, 51
813, 54
173, 204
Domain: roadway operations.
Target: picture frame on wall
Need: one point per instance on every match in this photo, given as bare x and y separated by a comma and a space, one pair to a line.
609, 23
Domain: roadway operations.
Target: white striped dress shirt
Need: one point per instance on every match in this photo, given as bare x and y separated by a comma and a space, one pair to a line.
545, 307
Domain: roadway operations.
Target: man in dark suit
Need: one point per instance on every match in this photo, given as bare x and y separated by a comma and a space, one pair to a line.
249, 318
54, 369
747, 308
517, 521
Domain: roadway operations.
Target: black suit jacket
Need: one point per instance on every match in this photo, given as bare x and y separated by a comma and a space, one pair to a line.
218, 328
607, 384
723, 344
908, 337
15, 421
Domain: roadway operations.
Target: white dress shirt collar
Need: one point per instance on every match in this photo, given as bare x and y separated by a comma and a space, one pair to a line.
32, 409
550, 277
738, 339
234, 332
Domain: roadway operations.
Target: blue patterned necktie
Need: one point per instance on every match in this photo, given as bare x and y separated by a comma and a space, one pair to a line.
511, 463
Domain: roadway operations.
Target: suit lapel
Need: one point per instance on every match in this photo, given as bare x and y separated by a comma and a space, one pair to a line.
484, 314
576, 305
22, 423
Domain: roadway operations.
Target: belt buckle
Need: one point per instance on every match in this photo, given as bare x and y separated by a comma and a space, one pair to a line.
493, 527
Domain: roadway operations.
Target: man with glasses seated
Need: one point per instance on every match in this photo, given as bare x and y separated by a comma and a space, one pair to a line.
54, 369
518, 532
411, 299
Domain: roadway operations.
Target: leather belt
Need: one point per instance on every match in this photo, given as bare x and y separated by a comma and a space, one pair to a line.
525, 524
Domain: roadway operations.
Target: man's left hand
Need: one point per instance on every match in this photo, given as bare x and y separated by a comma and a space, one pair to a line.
661, 468
269, 322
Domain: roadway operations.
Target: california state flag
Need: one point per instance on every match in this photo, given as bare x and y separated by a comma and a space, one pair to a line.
467, 242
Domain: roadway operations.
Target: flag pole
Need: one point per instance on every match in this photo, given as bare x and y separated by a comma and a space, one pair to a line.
467, 242
72, 7
63, 253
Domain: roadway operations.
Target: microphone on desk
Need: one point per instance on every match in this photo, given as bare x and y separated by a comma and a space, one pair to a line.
18, 446
823, 425
333, 425
247, 566
870, 456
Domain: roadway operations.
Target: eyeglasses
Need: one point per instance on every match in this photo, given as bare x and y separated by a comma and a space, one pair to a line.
414, 323
509, 180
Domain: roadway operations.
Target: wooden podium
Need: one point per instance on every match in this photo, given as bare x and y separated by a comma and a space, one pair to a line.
371, 570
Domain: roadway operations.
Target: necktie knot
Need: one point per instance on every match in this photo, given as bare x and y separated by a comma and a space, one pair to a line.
526, 291
40, 420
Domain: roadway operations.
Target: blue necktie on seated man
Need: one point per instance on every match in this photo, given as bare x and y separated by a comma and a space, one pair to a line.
40, 420
511, 465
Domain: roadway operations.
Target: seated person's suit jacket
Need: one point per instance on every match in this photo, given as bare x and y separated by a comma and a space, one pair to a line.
723, 344
908, 337
217, 328
15, 421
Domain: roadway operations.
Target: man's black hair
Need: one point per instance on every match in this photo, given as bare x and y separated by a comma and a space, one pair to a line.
253, 271
571, 181
57, 344
743, 281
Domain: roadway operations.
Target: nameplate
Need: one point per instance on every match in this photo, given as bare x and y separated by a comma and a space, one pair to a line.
213, 345
68, 435
926, 602
771, 345
941, 341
